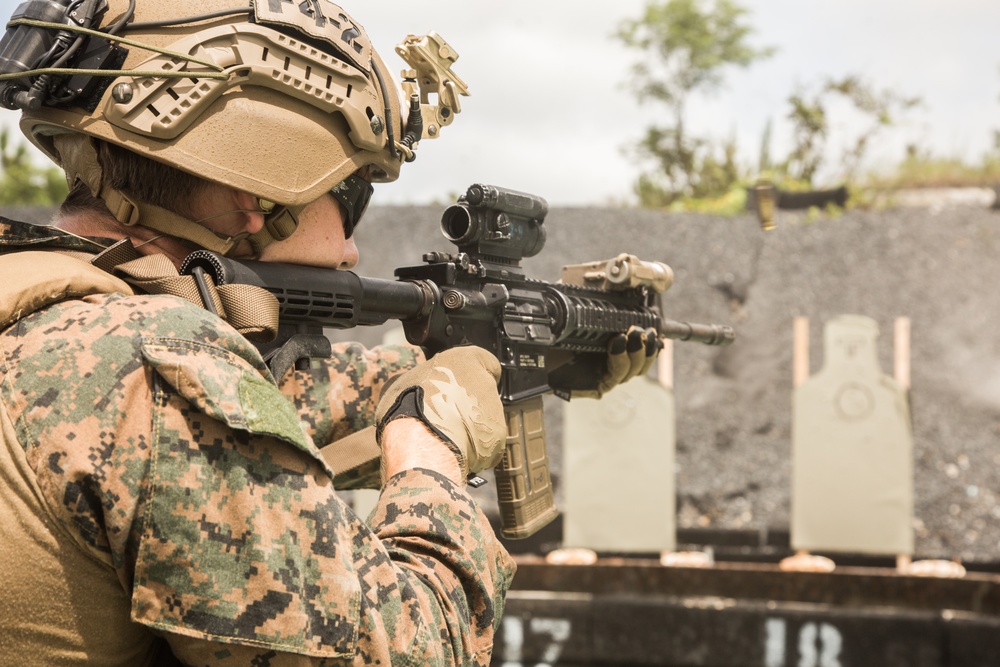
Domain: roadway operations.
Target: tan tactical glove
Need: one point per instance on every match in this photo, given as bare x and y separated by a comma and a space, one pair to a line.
630, 354
455, 395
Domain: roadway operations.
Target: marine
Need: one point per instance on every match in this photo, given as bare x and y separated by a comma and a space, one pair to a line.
163, 496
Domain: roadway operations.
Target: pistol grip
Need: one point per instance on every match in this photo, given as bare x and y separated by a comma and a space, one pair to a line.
524, 486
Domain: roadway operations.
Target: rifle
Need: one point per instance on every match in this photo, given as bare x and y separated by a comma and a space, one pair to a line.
539, 331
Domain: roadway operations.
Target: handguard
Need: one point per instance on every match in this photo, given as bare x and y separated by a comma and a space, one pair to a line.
524, 485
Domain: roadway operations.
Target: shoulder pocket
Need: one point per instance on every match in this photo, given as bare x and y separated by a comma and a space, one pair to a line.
244, 538
227, 388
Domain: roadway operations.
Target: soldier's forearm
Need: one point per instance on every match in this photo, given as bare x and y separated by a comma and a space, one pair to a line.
408, 444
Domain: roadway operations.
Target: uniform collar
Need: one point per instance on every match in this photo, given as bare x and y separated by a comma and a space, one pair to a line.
17, 235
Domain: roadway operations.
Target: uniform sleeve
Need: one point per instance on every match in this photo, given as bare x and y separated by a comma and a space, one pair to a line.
424, 585
432, 581
211, 503
337, 396
248, 550
444, 547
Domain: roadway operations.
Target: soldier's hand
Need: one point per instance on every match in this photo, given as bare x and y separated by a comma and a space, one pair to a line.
454, 395
630, 355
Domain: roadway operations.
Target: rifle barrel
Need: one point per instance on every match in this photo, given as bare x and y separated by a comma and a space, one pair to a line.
708, 334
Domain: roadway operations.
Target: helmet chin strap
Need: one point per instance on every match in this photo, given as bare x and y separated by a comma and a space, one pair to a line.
132, 213
279, 223
79, 158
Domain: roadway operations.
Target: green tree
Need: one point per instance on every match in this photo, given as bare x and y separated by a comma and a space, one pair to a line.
880, 110
22, 181
809, 133
688, 46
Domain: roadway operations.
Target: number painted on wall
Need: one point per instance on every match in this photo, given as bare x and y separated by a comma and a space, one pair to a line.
819, 645
556, 629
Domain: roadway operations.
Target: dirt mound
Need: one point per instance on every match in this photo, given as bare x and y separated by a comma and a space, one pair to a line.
935, 266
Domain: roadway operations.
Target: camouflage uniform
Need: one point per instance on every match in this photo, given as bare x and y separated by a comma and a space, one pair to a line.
154, 473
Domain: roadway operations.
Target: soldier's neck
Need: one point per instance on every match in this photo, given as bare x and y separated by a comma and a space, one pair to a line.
96, 224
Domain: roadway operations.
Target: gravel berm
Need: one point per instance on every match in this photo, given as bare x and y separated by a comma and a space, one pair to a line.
937, 266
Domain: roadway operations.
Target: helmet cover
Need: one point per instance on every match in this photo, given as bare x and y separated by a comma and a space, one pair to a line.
283, 101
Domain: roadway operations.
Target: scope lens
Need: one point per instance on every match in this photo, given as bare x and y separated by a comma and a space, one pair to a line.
456, 224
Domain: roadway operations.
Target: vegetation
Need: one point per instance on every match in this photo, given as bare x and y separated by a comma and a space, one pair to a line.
689, 44
22, 181
810, 121
923, 170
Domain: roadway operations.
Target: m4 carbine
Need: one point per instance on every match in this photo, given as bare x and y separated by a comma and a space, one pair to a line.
545, 335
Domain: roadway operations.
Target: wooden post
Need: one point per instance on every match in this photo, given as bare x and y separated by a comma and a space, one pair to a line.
901, 352
665, 365
901, 372
800, 373
800, 351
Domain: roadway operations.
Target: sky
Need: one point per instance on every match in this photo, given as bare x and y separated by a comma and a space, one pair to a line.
551, 114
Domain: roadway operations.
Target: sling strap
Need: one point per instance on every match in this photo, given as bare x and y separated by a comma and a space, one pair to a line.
356, 460
251, 310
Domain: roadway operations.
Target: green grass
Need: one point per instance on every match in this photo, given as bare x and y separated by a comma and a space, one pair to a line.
937, 172
873, 191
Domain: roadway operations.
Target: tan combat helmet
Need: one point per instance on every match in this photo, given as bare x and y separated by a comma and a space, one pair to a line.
283, 99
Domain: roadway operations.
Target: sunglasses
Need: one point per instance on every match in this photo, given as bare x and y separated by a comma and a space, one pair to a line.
353, 193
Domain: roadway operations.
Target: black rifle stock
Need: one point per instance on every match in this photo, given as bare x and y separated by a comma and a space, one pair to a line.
539, 331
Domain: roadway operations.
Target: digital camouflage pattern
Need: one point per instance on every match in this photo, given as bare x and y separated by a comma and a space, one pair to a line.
162, 449
337, 396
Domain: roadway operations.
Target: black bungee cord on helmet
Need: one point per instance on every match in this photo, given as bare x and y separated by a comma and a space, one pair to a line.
52, 54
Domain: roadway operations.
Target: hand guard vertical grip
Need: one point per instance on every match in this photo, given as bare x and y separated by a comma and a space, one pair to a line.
524, 487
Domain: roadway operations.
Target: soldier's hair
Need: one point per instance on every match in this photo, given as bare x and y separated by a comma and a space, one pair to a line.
144, 179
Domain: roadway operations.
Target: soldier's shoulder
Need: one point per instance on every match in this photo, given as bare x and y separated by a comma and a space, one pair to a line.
104, 345
120, 323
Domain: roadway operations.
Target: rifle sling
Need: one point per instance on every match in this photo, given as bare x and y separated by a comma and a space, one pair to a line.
353, 455
252, 311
